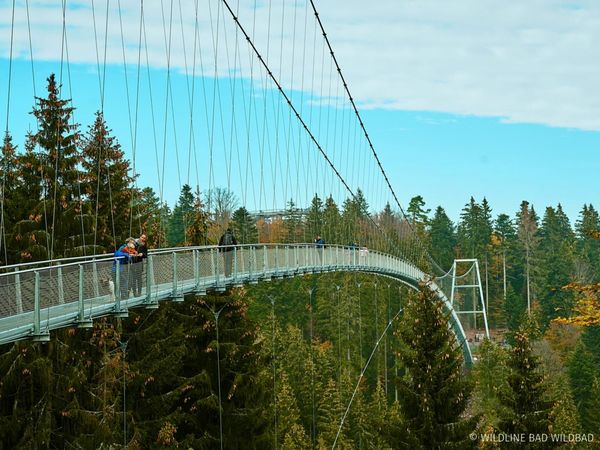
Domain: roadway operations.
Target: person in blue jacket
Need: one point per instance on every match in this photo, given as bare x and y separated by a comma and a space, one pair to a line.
124, 257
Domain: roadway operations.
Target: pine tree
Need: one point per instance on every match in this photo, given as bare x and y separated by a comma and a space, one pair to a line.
68, 219
527, 411
197, 231
28, 239
556, 250
292, 223
354, 214
527, 232
581, 375
289, 428
107, 186
433, 393
182, 386
515, 308
475, 229
314, 219
443, 239
331, 221
491, 385
149, 216
10, 212
244, 226
181, 218
330, 416
588, 247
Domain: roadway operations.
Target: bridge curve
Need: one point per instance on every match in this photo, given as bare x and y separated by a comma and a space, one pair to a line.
36, 298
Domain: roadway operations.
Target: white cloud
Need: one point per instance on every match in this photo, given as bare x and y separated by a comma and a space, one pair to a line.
533, 61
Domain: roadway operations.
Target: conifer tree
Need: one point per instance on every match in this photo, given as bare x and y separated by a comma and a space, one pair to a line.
433, 393
107, 186
181, 218
28, 239
10, 212
556, 246
150, 216
527, 410
442, 237
69, 220
490, 382
330, 416
244, 226
314, 219
588, 247
475, 229
289, 428
197, 231
528, 239
581, 375
331, 221
292, 223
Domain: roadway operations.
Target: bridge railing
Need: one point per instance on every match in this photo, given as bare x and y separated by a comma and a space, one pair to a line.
37, 298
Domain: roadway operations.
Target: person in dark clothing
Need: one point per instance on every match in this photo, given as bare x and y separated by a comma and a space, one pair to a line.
138, 267
320, 245
227, 244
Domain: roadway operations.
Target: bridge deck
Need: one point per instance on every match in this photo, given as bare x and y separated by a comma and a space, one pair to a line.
35, 300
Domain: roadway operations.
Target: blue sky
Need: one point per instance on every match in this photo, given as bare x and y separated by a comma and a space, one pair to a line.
456, 104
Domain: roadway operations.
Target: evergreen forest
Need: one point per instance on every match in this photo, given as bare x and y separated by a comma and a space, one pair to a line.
332, 360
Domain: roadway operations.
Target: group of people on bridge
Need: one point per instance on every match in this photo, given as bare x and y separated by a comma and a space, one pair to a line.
128, 263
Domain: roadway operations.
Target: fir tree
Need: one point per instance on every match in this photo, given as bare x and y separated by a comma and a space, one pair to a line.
581, 375
442, 238
527, 411
491, 382
244, 226
314, 219
28, 239
67, 218
556, 246
331, 221
181, 218
107, 185
433, 393
197, 231
149, 216
588, 247
292, 223
527, 232
475, 229
10, 212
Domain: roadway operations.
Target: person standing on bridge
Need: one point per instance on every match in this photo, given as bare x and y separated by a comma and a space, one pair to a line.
141, 248
227, 245
320, 245
124, 257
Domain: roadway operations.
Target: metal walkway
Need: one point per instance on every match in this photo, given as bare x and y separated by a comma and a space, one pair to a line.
36, 298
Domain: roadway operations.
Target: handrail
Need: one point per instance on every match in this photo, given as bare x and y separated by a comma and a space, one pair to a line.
79, 260
53, 297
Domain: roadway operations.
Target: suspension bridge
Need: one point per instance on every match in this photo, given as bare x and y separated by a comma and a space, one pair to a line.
217, 94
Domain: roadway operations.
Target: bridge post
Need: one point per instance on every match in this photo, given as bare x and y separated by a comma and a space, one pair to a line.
276, 260
196, 269
18, 291
235, 264
82, 322
251, 262
118, 311
150, 304
38, 335
61, 288
175, 295
265, 261
95, 278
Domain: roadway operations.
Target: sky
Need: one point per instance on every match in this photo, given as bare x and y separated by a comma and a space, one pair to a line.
464, 98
